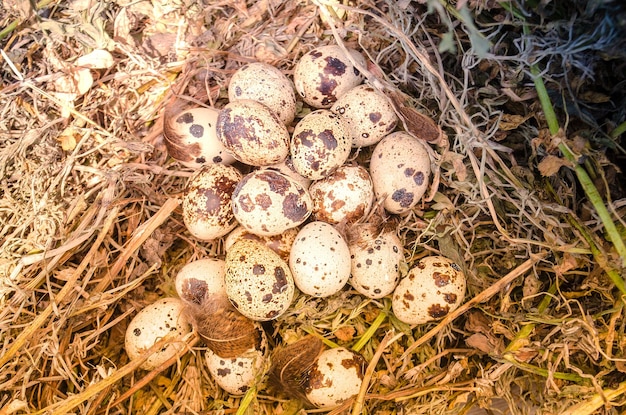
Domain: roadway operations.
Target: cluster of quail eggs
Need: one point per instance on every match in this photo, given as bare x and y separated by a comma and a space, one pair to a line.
283, 189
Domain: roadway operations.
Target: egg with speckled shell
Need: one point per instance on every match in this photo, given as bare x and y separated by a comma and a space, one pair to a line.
320, 260
201, 279
320, 144
400, 170
324, 74
207, 210
258, 281
434, 287
266, 202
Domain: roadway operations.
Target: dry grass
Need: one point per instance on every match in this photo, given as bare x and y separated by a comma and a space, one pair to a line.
91, 230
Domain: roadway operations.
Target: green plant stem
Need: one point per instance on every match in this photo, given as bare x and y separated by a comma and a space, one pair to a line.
583, 177
572, 377
371, 330
246, 401
619, 130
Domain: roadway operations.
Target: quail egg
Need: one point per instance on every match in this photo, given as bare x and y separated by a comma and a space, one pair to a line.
325, 73
434, 287
207, 210
201, 279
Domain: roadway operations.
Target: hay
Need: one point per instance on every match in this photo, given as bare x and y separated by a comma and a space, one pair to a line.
91, 230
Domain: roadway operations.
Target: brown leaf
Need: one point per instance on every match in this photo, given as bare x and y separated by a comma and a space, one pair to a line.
512, 121
414, 122
550, 165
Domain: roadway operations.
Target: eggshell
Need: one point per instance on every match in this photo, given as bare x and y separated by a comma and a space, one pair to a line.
345, 196
286, 167
267, 203
320, 144
252, 133
281, 243
207, 210
434, 287
191, 138
200, 279
266, 84
151, 324
335, 377
237, 374
368, 114
258, 281
377, 260
400, 170
324, 74
320, 260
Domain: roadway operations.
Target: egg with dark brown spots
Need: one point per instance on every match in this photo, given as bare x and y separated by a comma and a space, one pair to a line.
191, 138
266, 84
434, 287
400, 170
368, 114
201, 279
335, 377
320, 144
324, 74
267, 202
252, 133
377, 260
258, 281
345, 196
237, 374
162, 318
207, 210
320, 260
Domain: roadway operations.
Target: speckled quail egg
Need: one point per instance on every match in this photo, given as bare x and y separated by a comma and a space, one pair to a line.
201, 279
264, 83
400, 170
377, 260
325, 73
252, 133
320, 144
336, 376
237, 374
153, 323
258, 281
281, 243
207, 210
267, 202
320, 260
190, 137
368, 113
344, 196
286, 167
434, 287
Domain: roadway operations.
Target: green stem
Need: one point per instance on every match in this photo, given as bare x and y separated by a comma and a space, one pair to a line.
619, 130
583, 177
7, 30
246, 401
371, 330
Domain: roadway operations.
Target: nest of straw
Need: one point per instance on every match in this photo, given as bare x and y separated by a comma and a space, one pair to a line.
91, 228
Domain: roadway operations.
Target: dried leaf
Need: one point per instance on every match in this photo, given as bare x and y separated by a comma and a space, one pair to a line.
550, 165
512, 121
414, 122
98, 59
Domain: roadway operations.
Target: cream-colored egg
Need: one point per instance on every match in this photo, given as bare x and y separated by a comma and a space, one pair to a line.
207, 210
368, 113
267, 202
266, 84
377, 260
343, 197
335, 377
201, 279
237, 374
191, 138
400, 170
320, 260
258, 281
320, 144
253, 133
324, 74
434, 287
281, 243
153, 323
